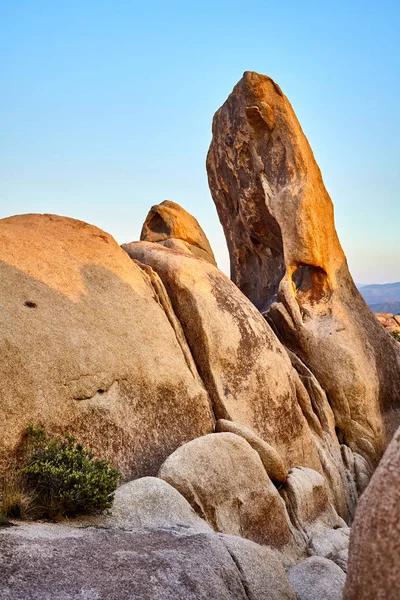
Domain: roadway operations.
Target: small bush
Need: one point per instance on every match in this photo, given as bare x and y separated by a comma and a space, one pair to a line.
396, 335
64, 477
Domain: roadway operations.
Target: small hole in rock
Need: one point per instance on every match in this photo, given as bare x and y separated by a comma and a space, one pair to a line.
311, 284
30, 304
100, 391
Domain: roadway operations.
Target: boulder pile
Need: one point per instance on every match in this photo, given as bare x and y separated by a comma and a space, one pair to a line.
246, 416
390, 322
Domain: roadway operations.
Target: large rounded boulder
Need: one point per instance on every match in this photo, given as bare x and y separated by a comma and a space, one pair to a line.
89, 347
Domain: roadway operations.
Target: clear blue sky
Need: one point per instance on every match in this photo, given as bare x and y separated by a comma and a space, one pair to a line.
106, 108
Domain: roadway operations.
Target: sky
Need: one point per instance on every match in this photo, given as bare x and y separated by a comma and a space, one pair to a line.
106, 108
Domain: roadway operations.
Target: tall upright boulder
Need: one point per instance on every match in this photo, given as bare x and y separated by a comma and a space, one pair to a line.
287, 259
90, 345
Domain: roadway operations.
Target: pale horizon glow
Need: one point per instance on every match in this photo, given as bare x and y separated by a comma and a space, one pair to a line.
107, 109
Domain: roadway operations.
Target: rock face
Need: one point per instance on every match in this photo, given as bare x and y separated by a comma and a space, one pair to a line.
224, 480
272, 462
287, 259
306, 498
88, 347
245, 369
374, 554
262, 572
317, 578
42, 561
172, 226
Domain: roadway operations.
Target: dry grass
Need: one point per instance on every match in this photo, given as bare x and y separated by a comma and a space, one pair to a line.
15, 502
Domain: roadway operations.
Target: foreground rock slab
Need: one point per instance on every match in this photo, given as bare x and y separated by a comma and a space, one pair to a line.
58, 562
317, 578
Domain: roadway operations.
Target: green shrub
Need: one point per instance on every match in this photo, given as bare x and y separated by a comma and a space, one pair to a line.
64, 477
396, 335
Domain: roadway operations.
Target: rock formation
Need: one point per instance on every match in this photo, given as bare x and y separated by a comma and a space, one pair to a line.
287, 259
248, 374
390, 321
172, 226
89, 346
242, 364
262, 407
374, 553
121, 559
224, 480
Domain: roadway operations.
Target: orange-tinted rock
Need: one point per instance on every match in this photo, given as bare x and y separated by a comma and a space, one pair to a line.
171, 225
390, 322
286, 257
89, 346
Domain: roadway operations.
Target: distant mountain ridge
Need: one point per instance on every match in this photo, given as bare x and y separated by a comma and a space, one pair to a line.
382, 298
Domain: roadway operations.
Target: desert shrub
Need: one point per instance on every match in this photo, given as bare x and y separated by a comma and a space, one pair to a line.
64, 477
396, 335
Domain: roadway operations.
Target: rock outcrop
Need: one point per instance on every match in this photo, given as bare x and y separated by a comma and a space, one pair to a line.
47, 561
263, 407
390, 321
245, 369
172, 226
252, 380
224, 480
374, 553
287, 259
88, 347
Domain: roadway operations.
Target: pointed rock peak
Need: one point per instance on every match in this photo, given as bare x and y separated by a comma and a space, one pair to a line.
169, 221
268, 191
287, 259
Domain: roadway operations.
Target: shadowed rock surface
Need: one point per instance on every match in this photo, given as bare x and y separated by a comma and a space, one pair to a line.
59, 562
286, 257
374, 553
